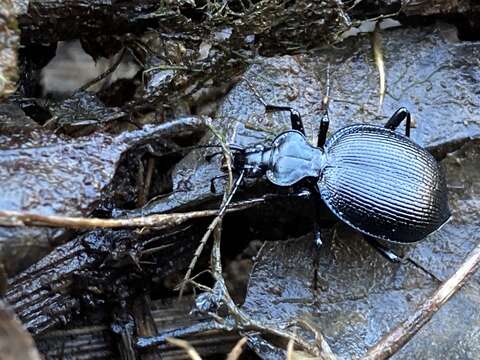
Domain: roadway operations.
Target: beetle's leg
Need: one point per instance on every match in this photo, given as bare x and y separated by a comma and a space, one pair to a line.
295, 117
383, 250
325, 121
212, 182
397, 118
323, 130
316, 202
232, 148
316, 226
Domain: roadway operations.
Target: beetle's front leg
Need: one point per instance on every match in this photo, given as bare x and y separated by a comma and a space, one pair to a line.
323, 130
397, 118
325, 121
295, 117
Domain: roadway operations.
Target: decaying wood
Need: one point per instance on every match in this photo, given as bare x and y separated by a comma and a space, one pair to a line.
401, 334
88, 342
52, 21
145, 324
50, 292
97, 342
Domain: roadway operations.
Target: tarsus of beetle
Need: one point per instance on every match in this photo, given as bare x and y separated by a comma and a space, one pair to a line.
378, 56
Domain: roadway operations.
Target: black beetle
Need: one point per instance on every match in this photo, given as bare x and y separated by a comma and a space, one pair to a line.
371, 177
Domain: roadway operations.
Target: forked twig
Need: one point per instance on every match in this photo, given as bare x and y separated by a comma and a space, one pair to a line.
221, 213
242, 320
218, 219
326, 351
401, 334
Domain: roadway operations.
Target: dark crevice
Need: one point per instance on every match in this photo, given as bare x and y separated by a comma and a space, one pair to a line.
39, 114
440, 151
194, 13
467, 25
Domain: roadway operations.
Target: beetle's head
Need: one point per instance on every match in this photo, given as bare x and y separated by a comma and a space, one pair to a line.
254, 161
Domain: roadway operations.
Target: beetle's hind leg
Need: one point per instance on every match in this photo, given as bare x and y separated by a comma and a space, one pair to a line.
316, 200
397, 118
387, 253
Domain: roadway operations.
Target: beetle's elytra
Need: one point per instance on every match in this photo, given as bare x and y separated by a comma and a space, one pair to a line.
373, 178
383, 184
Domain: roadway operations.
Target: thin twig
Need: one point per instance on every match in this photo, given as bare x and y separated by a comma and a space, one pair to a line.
103, 75
218, 218
185, 345
401, 334
237, 349
18, 218
290, 347
242, 320
213, 225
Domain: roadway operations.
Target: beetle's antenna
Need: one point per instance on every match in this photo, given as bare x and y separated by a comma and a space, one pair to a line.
324, 122
231, 147
326, 98
255, 92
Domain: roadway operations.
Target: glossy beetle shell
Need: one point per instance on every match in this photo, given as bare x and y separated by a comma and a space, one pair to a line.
383, 184
292, 159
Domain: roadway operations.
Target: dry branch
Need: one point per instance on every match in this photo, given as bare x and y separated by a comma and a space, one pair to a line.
218, 219
237, 349
400, 335
17, 218
242, 320
185, 345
